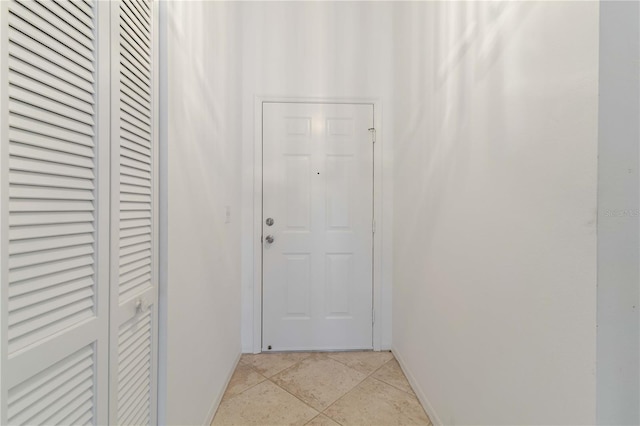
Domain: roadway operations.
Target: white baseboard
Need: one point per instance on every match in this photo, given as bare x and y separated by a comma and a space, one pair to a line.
216, 402
418, 390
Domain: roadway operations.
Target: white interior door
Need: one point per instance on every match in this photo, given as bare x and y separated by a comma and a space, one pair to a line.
134, 224
54, 210
318, 251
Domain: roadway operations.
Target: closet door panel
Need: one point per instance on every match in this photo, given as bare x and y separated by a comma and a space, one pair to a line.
54, 195
133, 215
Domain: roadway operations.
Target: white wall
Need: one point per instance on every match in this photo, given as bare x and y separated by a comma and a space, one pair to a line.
314, 50
202, 275
618, 373
495, 209
491, 110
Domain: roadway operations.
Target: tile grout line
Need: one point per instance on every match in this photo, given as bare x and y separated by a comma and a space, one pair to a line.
320, 411
240, 393
275, 374
296, 397
290, 393
268, 379
370, 376
384, 383
250, 387
326, 355
330, 418
412, 395
355, 387
394, 386
337, 360
351, 390
291, 366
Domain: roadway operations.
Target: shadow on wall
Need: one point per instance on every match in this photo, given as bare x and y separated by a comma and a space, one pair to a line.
203, 178
207, 119
467, 39
494, 236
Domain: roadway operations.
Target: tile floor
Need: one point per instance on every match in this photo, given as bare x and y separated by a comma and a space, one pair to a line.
320, 389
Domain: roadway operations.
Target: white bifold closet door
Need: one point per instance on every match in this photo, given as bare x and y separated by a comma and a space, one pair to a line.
78, 221
134, 250
54, 230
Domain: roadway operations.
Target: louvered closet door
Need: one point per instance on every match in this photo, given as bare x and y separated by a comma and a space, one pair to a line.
134, 290
54, 194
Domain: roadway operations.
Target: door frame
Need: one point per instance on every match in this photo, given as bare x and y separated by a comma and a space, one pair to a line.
257, 207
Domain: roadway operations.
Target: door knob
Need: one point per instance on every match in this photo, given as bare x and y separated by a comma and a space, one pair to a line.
141, 306
269, 239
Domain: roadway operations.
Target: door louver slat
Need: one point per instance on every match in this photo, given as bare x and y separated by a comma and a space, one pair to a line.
49, 305
130, 97
29, 35
82, 14
53, 95
135, 130
45, 296
56, 28
25, 178
31, 259
47, 79
48, 63
55, 133
134, 342
71, 16
64, 387
84, 6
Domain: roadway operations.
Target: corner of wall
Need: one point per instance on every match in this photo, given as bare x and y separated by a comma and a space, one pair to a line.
216, 402
422, 397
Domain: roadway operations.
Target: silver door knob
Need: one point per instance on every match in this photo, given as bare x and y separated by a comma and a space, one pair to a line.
269, 239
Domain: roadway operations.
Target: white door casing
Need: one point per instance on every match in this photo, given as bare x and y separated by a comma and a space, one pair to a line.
54, 194
134, 207
318, 188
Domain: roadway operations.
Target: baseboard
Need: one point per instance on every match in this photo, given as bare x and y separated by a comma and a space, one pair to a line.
216, 402
418, 390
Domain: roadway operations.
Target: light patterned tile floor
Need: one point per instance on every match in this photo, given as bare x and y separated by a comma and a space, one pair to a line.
319, 389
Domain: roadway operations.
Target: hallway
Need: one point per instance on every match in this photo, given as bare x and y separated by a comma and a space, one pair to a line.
328, 389
319, 212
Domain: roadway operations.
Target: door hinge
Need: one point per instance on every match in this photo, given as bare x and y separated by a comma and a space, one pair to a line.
373, 227
373, 134
373, 316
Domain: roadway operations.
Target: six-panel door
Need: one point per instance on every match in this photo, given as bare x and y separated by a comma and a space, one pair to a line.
318, 190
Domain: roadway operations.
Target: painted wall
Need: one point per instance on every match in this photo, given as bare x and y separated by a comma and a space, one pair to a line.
495, 165
618, 373
314, 50
203, 178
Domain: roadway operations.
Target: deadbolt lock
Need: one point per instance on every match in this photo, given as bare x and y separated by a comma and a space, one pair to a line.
269, 221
